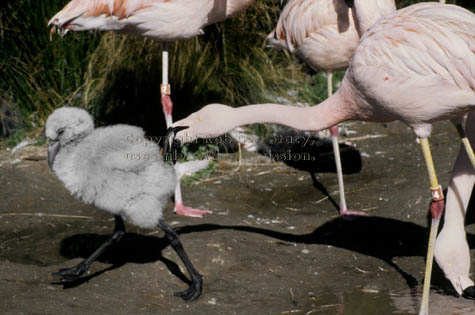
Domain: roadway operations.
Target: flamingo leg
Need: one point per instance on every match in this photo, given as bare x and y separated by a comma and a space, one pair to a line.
436, 210
240, 158
336, 151
73, 273
181, 209
167, 106
194, 291
466, 144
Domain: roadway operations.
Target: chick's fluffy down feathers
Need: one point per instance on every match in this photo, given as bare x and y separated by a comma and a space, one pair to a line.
115, 169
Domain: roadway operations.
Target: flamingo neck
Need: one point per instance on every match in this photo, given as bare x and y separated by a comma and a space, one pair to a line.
237, 6
223, 9
323, 116
367, 12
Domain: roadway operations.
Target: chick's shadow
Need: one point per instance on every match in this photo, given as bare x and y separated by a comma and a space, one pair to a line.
379, 237
133, 248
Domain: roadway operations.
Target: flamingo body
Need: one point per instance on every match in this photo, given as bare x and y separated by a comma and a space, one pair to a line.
325, 33
322, 33
161, 20
415, 66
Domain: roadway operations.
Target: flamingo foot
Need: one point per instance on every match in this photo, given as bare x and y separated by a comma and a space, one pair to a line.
469, 293
346, 212
180, 209
71, 274
193, 292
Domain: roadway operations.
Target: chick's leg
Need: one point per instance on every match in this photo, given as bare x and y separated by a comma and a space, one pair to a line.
71, 274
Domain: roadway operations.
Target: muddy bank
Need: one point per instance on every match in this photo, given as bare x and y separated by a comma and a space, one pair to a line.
274, 244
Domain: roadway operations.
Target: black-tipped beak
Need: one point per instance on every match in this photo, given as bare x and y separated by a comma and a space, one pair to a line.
171, 145
350, 3
53, 148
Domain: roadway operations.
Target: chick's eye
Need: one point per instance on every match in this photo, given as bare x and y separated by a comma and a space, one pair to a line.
60, 131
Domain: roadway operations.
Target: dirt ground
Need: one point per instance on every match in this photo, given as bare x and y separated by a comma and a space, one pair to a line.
274, 244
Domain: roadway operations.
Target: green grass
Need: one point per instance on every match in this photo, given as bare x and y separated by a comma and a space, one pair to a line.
203, 174
16, 137
117, 77
37, 74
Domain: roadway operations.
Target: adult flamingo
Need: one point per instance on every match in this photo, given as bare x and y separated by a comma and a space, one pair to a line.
415, 66
161, 20
323, 33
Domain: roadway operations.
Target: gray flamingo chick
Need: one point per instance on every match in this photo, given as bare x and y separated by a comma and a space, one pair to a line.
95, 166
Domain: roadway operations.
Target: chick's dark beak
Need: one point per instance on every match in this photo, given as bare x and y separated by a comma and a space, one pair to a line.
171, 145
53, 148
350, 3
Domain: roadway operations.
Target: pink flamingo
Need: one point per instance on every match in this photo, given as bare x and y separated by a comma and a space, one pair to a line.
161, 20
323, 33
415, 66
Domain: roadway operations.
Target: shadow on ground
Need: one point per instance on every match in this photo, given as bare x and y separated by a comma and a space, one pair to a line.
382, 238
273, 245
